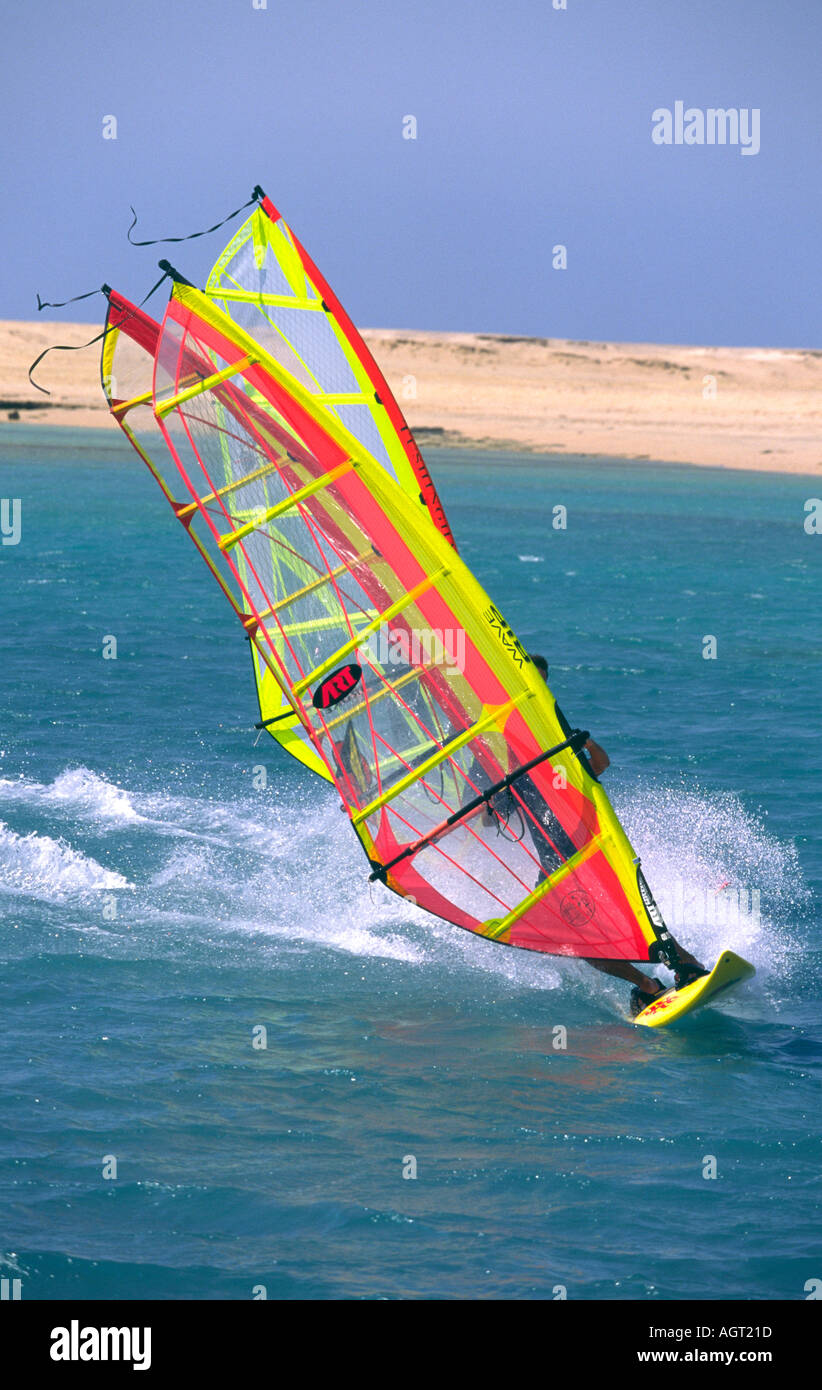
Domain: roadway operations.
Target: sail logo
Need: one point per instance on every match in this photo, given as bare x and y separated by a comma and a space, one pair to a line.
715, 125
506, 635
336, 686
577, 908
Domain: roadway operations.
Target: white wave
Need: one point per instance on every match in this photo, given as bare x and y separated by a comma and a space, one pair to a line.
351, 935
312, 896
89, 797
288, 870
78, 789
183, 868
40, 867
720, 877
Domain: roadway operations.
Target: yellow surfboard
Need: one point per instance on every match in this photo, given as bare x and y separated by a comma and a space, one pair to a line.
730, 970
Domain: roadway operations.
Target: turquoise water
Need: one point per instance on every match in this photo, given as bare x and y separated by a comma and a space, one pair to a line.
128, 786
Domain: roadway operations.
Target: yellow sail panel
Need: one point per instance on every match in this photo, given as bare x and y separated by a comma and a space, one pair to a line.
266, 282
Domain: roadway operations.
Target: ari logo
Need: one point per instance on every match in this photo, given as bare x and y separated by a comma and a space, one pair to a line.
336, 686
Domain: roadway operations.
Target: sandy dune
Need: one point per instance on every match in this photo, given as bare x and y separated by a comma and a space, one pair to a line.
726, 407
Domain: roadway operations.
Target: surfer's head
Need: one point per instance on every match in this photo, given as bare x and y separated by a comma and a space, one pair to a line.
541, 665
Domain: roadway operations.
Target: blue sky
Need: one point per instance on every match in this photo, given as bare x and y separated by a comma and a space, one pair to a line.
533, 129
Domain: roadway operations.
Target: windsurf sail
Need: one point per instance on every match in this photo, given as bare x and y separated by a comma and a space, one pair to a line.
402, 679
266, 282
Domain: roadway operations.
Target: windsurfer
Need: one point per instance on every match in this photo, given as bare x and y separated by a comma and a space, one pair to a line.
595, 759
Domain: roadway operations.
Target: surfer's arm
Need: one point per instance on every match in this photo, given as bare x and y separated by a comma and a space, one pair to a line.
599, 758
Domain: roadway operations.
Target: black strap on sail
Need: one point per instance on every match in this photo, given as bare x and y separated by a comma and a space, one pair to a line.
79, 347
256, 197
576, 742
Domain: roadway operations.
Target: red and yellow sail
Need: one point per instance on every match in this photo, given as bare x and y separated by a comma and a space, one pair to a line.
402, 682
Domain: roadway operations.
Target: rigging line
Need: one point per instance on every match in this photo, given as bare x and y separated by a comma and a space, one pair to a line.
235, 398
429, 791
434, 844
236, 408
315, 584
366, 698
343, 618
493, 716
521, 807
434, 795
389, 687
352, 796
293, 501
504, 824
368, 711
80, 347
434, 715
440, 766
540, 826
577, 740
61, 303
319, 533
158, 241
290, 550
312, 526
316, 483
272, 431
472, 807
540, 829
277, 462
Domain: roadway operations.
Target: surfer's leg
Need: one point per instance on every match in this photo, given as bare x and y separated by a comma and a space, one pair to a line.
693, 968
624, 970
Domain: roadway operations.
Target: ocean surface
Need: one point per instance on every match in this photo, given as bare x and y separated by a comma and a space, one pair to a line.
159, 905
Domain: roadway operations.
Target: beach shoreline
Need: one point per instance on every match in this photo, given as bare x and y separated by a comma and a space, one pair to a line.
755, 409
